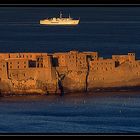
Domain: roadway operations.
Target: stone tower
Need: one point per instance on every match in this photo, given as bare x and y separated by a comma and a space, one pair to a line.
131, 56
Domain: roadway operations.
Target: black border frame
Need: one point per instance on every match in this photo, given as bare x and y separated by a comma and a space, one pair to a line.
70, 3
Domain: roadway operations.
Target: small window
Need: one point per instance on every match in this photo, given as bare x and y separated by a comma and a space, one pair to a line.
24, 62
10, 67
18, 62
18, 66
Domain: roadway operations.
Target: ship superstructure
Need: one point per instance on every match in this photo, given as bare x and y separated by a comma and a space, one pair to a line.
60, 21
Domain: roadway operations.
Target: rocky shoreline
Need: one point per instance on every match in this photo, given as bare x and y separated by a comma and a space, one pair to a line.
94, 90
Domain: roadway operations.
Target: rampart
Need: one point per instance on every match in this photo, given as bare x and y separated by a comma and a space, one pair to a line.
43, 73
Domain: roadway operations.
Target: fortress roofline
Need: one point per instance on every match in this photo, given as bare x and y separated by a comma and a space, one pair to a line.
23, 53
89, 52
16, 58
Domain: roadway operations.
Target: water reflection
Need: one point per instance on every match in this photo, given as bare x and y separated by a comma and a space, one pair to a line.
73, 113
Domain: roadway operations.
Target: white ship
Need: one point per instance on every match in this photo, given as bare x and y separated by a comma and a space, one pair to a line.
60, 21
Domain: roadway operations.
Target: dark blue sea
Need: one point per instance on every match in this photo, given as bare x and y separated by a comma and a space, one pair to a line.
108, 30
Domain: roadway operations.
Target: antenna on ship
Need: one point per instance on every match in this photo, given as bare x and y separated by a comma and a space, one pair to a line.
69, 15
79, 18
60, 14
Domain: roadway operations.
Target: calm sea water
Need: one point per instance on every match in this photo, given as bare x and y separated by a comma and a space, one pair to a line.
108, 30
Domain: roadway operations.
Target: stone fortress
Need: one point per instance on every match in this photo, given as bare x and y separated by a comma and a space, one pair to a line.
43, 73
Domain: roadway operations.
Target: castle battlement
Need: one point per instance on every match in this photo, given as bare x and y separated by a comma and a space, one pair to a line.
74, 68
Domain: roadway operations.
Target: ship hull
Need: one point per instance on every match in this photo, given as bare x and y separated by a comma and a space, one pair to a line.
70, 23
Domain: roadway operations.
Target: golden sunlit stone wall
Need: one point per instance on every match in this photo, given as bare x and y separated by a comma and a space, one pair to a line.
76, 71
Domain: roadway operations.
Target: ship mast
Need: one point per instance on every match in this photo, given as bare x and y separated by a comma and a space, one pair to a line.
60, 15
69, 16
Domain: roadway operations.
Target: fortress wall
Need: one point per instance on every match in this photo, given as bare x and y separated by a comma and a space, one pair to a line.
21, 55
4, 55
123, 75
120, 58
46, 80
18, 76
47, 61
22, 74
32, 79
62, 69
75, 81
74, 60
81, 61
80, 71
62, 59
94, 55
0, 70
42, 74
131, 56
123, 58
103, 65
71, 60
4, 69
45, 74
14, 63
